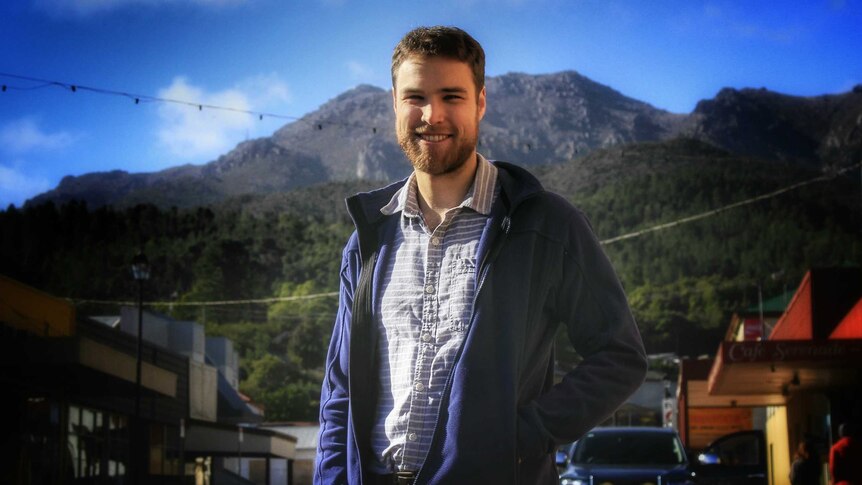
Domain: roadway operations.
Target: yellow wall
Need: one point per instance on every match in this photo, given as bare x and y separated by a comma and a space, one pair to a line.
777, 448
34, 311
808, 415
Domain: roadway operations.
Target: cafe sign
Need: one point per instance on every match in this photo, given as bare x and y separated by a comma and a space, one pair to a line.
791, 351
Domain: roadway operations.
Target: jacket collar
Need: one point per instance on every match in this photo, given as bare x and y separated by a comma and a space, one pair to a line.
516, 185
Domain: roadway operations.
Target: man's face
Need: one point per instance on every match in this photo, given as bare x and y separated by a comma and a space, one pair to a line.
437, 113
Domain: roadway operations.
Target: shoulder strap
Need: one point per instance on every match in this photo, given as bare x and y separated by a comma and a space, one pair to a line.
363, 376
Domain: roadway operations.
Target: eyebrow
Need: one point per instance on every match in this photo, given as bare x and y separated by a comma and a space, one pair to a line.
448, 90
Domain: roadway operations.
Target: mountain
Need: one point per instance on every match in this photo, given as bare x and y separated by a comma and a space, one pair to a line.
531, 119
813, 131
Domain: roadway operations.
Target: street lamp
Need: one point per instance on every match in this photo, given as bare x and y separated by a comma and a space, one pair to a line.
141, 273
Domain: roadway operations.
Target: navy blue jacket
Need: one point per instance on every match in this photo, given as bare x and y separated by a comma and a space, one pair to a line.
501, 415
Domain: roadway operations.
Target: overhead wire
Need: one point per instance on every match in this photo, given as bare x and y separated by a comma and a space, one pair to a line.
317, 124
630, 235
139, 98
145, 98
276, 299
703, 215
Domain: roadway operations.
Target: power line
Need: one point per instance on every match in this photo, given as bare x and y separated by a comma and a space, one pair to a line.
631, 235
145, 98
207, 303
713, 212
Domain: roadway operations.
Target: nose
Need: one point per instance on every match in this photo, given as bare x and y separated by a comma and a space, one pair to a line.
432, 112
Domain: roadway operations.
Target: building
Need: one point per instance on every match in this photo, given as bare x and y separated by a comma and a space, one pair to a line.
70, 391
306, 447
799, 382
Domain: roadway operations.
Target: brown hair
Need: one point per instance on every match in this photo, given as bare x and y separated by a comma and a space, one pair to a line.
439, 41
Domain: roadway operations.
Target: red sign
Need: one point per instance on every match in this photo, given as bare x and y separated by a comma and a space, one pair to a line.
752, 329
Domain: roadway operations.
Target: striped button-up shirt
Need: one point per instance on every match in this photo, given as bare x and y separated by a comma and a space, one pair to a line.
424, 311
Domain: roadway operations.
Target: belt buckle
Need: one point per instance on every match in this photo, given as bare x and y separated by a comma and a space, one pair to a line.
405, 478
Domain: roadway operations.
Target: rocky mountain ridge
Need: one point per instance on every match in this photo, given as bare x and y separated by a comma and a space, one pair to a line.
531, 119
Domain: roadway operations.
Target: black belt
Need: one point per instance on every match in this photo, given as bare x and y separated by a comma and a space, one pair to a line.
400, 478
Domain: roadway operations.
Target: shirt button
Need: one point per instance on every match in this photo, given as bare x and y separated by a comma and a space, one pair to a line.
435, 241
429, 289
411, 436
419, 387
426, 337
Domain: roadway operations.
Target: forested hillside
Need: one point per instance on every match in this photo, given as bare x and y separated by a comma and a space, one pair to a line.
686, 279
683, 282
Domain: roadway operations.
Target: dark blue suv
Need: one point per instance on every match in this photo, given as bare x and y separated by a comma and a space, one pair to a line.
625, 456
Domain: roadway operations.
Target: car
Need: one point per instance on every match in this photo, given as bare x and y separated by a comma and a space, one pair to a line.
625, 456
734, 459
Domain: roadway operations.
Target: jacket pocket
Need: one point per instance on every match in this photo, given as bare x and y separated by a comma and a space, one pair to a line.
532, 445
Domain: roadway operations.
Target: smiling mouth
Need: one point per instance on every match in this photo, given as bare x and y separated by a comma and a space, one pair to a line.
433, 138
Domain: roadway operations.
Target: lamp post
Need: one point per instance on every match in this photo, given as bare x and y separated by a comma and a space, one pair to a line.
141, 273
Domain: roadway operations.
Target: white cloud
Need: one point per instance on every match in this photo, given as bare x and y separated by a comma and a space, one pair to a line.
725, 21
83, 8
266, 88
201, 134
24, 135
359, 71
16, 186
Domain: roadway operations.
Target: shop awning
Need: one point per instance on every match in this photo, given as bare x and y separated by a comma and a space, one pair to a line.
694, 386
776, 367
213, 439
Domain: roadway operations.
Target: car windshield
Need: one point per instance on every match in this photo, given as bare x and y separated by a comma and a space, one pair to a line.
621, 448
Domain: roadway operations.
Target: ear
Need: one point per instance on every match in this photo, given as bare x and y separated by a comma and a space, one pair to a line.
394, 104
480, 103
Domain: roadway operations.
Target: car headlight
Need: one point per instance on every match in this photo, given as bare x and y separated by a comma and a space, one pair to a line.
574, 481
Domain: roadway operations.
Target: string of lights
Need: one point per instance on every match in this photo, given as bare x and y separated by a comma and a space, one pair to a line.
145, 98
318, 124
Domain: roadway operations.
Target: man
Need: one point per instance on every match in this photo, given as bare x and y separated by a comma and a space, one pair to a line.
440, 368
845, 457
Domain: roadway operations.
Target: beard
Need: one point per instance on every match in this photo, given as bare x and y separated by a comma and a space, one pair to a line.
432, 161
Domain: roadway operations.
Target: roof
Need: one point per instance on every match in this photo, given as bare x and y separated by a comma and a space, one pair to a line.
824, 297
851, 326
777, 304
306, 435
35, 311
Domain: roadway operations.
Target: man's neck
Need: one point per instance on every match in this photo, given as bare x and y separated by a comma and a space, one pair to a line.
439, 193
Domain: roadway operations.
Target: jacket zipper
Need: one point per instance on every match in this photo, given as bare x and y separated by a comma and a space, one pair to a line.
484, 267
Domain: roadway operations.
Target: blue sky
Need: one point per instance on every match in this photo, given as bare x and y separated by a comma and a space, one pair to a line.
290, 56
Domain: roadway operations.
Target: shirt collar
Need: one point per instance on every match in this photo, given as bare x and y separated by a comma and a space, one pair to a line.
479, 197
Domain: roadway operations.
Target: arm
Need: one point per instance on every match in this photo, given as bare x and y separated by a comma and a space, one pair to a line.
331, 461
591, 303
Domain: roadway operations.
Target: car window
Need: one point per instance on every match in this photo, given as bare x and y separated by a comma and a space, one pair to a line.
738, 450
629, 449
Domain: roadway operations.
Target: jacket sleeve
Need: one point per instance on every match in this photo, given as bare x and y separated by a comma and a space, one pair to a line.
592, 305
331, 462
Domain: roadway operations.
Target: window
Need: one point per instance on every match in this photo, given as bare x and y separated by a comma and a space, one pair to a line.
623, 448
737, 450
164, 450
98, 443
